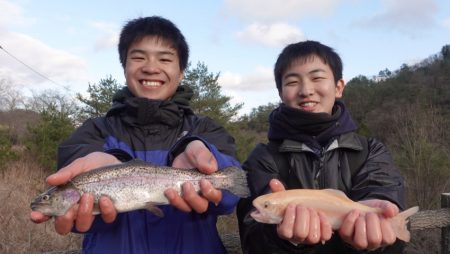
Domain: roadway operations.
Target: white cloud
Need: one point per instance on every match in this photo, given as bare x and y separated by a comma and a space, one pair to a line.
55, 64
407, 16
12, 14
109, 35
272, 10
260, 79
275, 35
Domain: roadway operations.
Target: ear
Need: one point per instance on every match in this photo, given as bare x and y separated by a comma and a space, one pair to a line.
340, 85
181, 77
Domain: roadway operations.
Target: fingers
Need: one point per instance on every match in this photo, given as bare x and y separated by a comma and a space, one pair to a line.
388, 235
84, 217
38, 217
374, 235
325, 227
81, 165
347, 229
196, 155
285, 229
191, 200
276, 185
389, 209
64, 223
360, 236
176, 200
209, 192
80, 215
195, 201
303, 225
369, 231
107, 209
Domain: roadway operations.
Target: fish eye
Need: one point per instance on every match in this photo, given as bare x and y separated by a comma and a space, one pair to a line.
266, 204
45, 197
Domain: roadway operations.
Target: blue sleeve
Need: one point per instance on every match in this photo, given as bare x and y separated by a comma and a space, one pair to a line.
229, 200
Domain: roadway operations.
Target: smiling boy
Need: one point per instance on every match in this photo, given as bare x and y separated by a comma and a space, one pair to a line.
150, 120
313, 145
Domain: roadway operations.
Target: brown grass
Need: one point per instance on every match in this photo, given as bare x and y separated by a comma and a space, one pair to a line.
20, 181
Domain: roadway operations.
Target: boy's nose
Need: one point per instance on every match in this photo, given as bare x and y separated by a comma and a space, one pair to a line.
151, 67
306, 89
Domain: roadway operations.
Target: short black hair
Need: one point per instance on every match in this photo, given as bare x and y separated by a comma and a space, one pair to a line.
303, 50
138, 28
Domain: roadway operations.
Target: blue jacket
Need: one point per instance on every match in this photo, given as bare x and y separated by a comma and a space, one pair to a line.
153, 131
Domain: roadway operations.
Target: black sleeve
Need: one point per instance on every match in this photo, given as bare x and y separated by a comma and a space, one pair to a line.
258, 237
88, 138
379, 178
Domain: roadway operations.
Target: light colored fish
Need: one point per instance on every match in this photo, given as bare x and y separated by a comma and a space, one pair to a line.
134, 185
333, 203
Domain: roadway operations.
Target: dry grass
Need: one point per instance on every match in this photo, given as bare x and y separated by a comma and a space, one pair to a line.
19, 182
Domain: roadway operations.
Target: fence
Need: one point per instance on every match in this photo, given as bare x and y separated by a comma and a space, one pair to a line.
435, 219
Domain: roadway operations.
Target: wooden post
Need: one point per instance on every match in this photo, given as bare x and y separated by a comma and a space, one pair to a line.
445, 235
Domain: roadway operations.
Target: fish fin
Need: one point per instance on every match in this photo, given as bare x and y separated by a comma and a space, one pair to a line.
239, 185
399, 223
151, 207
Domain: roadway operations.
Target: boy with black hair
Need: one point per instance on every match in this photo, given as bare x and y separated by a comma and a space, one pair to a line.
313, 145
150, 120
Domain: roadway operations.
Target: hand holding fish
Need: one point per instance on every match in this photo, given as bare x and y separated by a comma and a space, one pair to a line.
80, 214
370, 230
196, 155
301, 225
307, 216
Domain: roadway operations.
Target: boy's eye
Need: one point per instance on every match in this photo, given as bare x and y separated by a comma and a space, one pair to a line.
137, 58
167, 60
290, 83
318, 78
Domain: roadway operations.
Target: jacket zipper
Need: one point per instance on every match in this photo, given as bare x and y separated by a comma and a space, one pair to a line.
318, 176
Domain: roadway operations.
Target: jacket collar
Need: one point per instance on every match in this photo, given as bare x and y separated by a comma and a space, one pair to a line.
348, 140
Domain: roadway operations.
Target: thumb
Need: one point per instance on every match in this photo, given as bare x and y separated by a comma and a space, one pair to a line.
276, 185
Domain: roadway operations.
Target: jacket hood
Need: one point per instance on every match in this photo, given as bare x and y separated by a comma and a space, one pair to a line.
142, 111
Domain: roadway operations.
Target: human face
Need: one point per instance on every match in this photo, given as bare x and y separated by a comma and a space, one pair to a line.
308, 84
152, 69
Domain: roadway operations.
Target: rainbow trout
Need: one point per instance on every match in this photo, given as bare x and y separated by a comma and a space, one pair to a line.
333, 203
134, 185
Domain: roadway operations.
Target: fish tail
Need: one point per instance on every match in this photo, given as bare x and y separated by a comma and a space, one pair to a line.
238, 184
399, 223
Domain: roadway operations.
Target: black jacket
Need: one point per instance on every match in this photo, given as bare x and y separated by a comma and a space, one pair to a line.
304, 167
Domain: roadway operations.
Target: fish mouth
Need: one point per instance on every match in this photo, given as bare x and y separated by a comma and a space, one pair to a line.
262, 217
34, 206
259, 217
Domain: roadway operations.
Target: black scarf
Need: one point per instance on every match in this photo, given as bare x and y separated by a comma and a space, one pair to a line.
142, 111
315, 129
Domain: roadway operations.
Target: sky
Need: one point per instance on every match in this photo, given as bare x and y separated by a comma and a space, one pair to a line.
71, 44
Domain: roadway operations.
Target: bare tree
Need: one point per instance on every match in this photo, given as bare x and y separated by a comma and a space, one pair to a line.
420, 141
62, 102
10, 97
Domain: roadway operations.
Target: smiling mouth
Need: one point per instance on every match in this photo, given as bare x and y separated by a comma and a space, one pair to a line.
308, 104
148, 83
